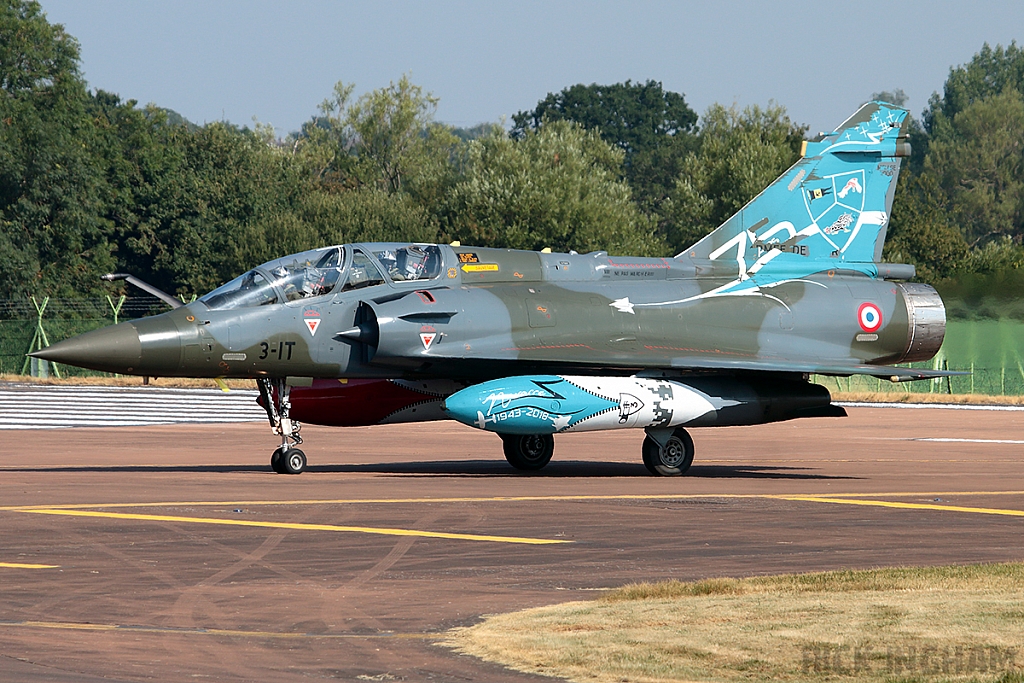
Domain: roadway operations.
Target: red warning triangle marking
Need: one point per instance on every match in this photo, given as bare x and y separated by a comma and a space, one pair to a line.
312, 324
427, 338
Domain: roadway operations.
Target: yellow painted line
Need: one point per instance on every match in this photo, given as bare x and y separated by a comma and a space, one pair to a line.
927, 494
235, 633
498, 499
298, 526
21, 565
908, 506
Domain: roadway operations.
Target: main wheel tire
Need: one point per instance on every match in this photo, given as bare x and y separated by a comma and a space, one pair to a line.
293, 461
672, 459
275, 461
528, 451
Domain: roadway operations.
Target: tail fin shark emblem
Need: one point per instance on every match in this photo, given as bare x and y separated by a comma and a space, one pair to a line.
835, 201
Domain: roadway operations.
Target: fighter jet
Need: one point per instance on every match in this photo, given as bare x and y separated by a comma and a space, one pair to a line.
532, 344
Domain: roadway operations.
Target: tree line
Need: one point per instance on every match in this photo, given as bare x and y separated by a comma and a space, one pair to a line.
91, 183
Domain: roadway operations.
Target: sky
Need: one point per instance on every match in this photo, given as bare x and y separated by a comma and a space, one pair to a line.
276, 61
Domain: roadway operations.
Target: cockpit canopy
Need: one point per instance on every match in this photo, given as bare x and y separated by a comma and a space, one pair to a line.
318, 272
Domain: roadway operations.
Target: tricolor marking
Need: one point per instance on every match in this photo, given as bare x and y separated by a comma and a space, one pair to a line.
869, 316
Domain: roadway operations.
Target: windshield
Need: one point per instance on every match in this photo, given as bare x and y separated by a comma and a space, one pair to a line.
415, 262
362, 273
299, 276
251, 289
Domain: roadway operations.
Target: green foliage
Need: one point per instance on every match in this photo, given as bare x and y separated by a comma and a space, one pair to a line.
989, 73
739, 154
921, 233
634, 117
91, 184
385, 139
960, 208
556, 187
51, 235
366, 214
187, 206
36, 58
474, 132
978, 161
653, 126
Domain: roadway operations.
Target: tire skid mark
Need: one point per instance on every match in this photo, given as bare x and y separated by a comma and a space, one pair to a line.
336, 601
185, 606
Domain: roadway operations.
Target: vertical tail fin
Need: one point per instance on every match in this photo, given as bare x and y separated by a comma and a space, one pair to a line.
829, 211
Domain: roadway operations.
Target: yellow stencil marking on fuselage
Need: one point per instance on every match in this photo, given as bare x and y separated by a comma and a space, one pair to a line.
293, 525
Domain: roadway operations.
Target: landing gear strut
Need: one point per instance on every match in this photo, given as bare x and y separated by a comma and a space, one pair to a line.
274, 395
668, 454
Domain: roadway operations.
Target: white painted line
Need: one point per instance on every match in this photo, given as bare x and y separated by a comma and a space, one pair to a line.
126, 409
943, 440
47, 407
944, 406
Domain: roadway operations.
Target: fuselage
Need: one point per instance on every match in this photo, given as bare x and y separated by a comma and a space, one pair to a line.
480, 313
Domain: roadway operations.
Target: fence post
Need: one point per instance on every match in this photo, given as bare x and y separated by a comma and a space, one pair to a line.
117, 308
34, 366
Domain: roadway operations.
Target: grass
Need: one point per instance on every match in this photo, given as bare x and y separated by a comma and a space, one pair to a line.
958, 623
128, 381
896, 397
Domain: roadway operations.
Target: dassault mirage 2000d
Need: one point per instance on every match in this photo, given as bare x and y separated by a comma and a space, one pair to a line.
531, 344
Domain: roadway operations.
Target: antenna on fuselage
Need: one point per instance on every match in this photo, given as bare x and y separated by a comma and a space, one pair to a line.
144, 286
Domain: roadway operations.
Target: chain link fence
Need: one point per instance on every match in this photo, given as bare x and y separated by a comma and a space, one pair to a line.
30, 323
991, 350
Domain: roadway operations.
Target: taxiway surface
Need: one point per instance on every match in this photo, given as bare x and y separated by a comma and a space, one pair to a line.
173, 552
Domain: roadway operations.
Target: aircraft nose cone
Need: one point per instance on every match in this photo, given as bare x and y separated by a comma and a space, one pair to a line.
111, 349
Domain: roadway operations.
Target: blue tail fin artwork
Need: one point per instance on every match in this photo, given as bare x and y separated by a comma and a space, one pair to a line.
828, 212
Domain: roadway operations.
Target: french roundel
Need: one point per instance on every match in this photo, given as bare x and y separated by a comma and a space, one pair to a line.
870, 317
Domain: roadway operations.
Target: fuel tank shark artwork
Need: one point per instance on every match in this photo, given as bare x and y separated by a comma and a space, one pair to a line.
532, 344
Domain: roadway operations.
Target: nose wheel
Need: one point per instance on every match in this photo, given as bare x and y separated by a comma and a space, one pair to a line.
274, 397
288, 461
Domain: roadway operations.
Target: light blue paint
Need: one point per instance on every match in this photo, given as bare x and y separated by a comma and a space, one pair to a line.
534, 404
828, 212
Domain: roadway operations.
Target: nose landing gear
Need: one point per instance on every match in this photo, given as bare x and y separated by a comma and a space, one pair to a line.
274, 396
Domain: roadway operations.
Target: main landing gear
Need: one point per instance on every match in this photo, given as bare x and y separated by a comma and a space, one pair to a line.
668, 453
528, 451
287, 459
